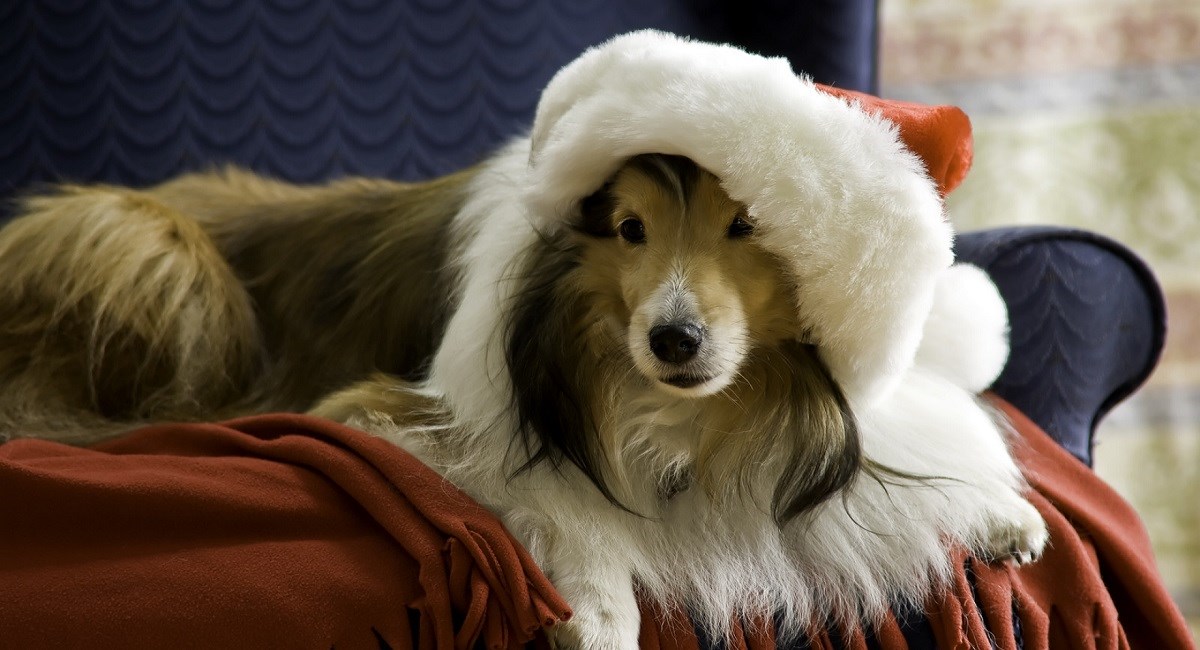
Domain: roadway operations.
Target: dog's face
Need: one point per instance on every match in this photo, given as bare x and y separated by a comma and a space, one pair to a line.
677, 267
665, 276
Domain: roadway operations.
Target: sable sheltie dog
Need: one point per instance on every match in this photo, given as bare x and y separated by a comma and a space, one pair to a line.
670, 425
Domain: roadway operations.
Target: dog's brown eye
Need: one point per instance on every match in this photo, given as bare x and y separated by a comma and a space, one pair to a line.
740, 227
632, 231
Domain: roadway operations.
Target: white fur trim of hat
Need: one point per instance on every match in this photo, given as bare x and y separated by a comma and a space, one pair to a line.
834, 190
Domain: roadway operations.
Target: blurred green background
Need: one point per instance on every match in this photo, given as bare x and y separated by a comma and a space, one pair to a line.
1087, 113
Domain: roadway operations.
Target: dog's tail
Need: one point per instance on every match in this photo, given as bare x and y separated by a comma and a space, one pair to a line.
115, 308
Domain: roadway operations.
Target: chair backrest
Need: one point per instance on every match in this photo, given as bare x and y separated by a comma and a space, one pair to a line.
304, 90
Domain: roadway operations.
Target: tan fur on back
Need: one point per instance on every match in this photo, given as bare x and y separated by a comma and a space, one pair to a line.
215, 294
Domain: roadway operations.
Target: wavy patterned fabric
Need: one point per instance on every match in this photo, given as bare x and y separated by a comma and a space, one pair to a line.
134, 91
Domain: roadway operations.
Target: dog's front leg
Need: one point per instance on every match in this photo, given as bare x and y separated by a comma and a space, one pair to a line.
585, 554
601, 594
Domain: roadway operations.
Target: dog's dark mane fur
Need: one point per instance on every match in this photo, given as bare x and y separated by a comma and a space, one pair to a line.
543, 364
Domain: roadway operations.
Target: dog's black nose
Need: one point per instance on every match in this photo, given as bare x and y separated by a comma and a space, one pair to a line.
675, 343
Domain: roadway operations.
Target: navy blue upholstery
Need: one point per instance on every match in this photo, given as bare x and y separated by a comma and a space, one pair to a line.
136, 91
1088, 324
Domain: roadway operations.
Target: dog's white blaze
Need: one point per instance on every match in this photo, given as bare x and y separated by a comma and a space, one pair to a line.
720, 354
674, 302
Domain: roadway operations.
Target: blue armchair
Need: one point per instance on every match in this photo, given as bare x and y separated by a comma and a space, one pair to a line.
135, 92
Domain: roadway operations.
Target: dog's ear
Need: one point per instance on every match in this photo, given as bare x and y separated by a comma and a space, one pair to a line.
826, 452
545, 357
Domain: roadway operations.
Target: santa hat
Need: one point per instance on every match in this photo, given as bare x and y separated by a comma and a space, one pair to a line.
834, 188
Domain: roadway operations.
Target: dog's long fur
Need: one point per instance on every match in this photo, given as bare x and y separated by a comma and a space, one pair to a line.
216, 294
761, 489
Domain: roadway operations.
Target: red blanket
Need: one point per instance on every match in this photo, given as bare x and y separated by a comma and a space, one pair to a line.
280, 531
289, 531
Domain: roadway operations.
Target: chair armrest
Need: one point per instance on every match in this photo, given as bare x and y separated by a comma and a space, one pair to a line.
1087, 322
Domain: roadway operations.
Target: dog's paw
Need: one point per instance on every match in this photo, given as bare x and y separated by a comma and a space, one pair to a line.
611, 625
1018, 533
596, 632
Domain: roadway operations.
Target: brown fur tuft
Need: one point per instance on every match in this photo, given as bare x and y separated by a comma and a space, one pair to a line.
215, 294
116, 304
